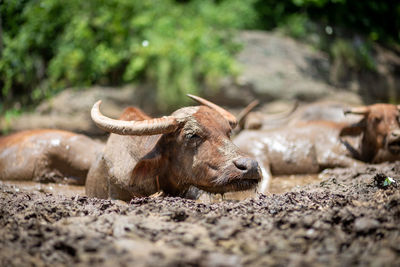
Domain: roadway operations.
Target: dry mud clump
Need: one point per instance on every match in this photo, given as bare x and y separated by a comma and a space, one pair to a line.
351, 218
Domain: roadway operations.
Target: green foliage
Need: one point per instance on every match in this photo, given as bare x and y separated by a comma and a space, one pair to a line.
8, 117
296, 25
379, 20
179, 47
343, 28
356, 56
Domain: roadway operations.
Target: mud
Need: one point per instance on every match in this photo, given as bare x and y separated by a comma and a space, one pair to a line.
350, 217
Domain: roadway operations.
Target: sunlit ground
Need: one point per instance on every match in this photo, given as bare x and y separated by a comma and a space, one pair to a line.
278, 185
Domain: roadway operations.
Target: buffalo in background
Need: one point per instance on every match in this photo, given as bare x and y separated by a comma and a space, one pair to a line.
311, 146
47, 156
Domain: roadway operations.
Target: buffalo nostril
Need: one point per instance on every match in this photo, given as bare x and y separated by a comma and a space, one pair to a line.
246, 164
241, 164
395, 134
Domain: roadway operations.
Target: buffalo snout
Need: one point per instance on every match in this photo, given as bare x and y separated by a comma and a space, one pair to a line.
242, 173
393, 142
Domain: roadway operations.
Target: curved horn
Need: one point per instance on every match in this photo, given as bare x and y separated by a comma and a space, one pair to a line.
243, 114
147, 127
227, 115
357, 111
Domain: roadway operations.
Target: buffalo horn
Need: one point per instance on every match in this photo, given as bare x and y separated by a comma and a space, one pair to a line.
227, 115
243, 114
357, 111
147, 127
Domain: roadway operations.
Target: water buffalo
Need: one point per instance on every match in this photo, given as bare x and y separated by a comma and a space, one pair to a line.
47, 156
191, 147
311, 146
320, 110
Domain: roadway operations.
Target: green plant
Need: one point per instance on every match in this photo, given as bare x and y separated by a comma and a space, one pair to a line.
379, 20
7, 119
178, 47
296, 25
357, 55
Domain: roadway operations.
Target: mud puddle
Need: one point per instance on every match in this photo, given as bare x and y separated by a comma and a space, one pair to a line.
285, 183
278, 185
56, 189
350, 218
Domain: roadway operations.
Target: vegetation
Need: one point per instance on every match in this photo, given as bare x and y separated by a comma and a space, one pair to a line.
178, 46
51, 44
379, 20
345, 29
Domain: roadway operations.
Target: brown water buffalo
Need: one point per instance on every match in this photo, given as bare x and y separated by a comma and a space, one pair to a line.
47, 156
309, 147
191, 147
320, 110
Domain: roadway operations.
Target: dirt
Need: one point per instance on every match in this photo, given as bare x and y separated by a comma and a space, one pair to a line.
351, 217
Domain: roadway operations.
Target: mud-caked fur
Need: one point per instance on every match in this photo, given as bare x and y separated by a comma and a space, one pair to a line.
47, 156
199, 153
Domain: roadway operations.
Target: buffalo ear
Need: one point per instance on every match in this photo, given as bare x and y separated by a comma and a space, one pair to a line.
354, 129
145, 176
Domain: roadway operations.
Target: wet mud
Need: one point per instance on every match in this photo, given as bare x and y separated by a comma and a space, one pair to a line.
349, 217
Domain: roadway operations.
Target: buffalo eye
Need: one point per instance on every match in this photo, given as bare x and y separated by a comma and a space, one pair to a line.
377, 120
194, 139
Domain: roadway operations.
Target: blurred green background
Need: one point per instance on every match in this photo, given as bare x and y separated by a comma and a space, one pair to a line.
176, 46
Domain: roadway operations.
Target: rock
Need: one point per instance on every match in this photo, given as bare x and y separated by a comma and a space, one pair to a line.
70, 109
365, 225
277, 67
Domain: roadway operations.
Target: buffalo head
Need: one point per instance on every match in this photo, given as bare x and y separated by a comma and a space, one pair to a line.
380, 127
191, 147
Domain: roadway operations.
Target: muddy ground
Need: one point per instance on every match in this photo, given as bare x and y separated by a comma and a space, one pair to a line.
350, 218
